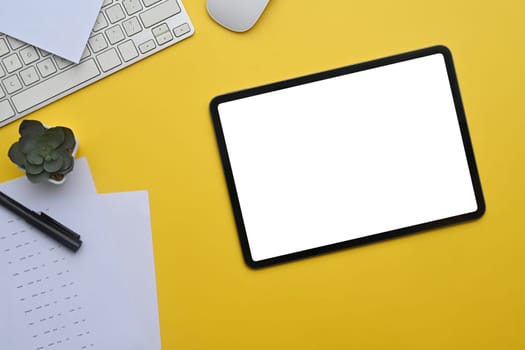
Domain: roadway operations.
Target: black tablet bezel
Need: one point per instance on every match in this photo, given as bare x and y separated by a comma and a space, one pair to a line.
214, 104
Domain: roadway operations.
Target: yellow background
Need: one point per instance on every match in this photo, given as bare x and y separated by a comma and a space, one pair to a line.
148, 127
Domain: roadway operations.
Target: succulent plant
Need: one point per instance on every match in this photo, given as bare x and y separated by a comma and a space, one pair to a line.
44, 153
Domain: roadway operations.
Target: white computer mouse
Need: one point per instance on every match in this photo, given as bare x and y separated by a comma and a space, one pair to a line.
236, 15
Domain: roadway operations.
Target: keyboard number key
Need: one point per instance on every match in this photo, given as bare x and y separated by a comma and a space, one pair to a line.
132, 26
12, 63
29, 55
128, 50
132, 6
115, 34
12, 84
3, 47
98, 43
181, 30
109, 60
46, 67
29, 76
115, 13
147, 46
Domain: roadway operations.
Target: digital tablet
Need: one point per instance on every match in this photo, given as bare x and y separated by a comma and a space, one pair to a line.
347, 156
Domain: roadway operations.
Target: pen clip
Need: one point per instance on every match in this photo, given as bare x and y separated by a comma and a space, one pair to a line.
66, 230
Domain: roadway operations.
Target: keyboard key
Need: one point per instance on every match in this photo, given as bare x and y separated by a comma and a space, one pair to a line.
98, 43
46, 67
159, 13
29, 55
2, 73
132, 6
132, 26
3, 47
115, 34
12, 84
162, 34
181, 30
150, 2
100, 22
147, 46
12, 63
15, 44
5, 110
164, 38
107, 2
56, 85
85, 54
109, 60
128, 50
2, 94
159, 30
29, 76
62, 63
43, 53
115, 13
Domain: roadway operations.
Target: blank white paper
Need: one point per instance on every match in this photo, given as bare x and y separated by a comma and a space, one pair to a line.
347, 157
61, 27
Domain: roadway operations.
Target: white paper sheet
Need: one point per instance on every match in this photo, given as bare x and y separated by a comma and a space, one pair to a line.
61, 27
102, 297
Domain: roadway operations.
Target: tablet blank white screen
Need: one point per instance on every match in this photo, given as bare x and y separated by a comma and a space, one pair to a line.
347, 157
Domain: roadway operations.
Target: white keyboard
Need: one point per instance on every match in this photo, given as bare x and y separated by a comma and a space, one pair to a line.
126, 31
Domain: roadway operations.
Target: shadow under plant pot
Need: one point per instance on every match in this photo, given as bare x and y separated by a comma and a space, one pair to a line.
44, 153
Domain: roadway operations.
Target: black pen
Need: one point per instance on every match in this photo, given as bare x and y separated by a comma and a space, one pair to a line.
44, 223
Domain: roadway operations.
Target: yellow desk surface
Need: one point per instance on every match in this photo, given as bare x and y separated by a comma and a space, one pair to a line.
148, 127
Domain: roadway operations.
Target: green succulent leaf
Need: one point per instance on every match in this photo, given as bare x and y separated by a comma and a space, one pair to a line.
55, 154
34, 157
46, 152
54, 165
16, 155
34, 169
68, 163
53, 137
31, 127
27, 143
69, 139
43, 176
